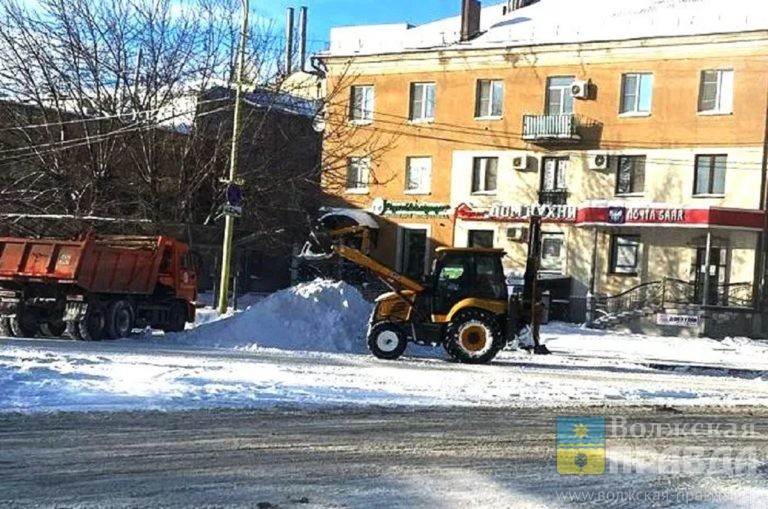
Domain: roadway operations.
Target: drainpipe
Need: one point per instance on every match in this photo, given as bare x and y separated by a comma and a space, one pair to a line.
592, 280
707, 262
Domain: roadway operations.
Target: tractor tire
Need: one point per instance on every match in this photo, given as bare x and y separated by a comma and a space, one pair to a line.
120, 319
474, 337
23, 325
5, 328
73, 330
177, 317
387, 341
93, 326
53, 329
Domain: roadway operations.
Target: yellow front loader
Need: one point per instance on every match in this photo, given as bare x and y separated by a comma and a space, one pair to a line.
462, 305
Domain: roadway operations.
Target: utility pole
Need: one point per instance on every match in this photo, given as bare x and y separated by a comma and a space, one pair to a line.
229, 224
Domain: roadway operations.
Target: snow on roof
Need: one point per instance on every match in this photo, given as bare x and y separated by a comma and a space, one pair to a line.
561, 21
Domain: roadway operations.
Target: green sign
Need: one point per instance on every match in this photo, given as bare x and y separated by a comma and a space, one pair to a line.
409, 209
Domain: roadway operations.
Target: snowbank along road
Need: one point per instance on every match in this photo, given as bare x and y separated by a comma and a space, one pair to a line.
304, 347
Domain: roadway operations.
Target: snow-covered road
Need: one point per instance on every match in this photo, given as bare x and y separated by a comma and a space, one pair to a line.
587, 368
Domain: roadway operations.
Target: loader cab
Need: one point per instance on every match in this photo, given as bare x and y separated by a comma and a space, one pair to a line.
466, 273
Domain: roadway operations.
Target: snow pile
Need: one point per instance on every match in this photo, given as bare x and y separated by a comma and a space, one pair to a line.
320, 316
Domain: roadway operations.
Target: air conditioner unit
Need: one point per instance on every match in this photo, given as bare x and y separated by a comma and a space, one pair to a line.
520, 163
517, 234
598, 161
580, 89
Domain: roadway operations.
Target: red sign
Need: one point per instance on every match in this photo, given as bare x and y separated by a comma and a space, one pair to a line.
610, 215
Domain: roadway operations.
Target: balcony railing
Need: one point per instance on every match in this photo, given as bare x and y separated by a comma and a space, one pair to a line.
553, 197
552, 128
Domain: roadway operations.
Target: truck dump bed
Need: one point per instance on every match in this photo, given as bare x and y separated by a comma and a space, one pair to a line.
109, 264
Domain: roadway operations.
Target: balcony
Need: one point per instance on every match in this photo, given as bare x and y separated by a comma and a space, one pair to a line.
551, 128
553, 197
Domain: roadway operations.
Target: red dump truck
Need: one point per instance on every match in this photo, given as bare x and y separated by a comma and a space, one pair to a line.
96, 287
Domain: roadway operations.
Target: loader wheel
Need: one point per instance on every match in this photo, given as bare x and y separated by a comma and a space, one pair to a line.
73, 330
53, 329
120, 319
5, 327
474, 337
94, 324
23, 325
387, 341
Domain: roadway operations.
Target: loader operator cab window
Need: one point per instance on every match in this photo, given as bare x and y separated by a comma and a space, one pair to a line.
489, 278
453, 282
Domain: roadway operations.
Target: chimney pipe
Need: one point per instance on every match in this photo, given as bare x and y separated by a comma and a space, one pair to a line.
302, 38
289, 40
470, 19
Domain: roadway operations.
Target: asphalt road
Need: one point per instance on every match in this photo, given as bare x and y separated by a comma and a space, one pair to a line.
356, 458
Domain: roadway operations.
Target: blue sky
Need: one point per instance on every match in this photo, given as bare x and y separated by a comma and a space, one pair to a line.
323, 14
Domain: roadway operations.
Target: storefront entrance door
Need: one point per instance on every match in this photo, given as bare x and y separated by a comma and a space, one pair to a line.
413, 251
718, 273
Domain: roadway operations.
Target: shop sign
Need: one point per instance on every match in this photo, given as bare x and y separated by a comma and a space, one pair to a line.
506, 212
622, 215
677, 320
515, 212
384, 207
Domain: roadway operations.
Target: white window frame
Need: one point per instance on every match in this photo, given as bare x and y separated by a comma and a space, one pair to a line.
366, 111
495, 96
617, 241
636, 111
472, 230
363, 179
400, 245
563, 257
724, 93
424, 185
483, 176
421, 115
564, 91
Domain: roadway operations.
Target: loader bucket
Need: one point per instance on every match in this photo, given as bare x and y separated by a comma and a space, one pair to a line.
338, 226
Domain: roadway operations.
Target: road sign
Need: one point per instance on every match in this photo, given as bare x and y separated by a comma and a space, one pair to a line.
234, 195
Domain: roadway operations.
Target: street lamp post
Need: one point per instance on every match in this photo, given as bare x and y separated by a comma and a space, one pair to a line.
237, 120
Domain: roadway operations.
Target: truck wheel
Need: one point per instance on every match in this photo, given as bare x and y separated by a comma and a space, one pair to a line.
120, 319
177, 317
93, 325
474, 337
73, 330
387, 341
53, 329
24, 325
5, 327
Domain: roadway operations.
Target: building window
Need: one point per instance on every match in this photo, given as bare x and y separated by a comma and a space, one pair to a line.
418, 175
625, 254
358, 173
480, 238
361, 103
484, 173
554, 173
413, 251
636, 92
559, 98
630, 175
710, 174
552, 252
716, 91
422, 101
489, 98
